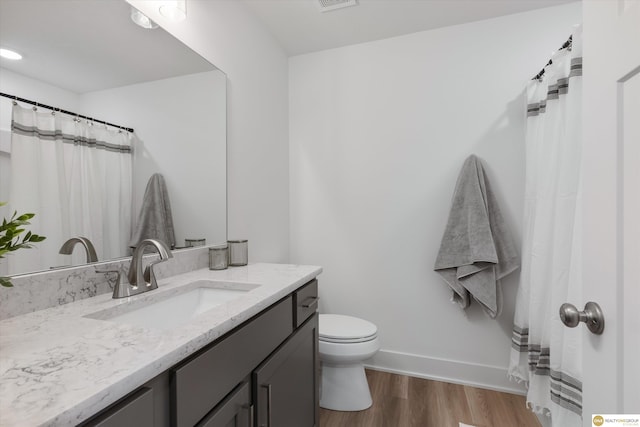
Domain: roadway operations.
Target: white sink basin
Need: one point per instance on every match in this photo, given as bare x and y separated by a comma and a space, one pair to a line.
176, 309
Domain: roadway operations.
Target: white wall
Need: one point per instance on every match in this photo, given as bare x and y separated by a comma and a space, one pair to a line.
229, 36
25, 87
180, 125
378, 133
37, 90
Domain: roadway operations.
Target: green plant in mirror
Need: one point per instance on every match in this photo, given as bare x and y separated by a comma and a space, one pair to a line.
10, 241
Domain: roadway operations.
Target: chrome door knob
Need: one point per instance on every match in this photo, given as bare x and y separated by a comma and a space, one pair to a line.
591, 315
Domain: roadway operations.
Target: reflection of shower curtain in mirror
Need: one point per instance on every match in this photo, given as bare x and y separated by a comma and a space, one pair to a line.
76, 177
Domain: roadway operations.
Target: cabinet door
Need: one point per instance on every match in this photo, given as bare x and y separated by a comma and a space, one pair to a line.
285, 386
233, 411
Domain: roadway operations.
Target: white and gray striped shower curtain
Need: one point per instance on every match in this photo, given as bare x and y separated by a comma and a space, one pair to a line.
546, 354
77, 178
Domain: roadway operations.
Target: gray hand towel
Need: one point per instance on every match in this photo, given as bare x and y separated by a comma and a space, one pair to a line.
477, 249
155, 220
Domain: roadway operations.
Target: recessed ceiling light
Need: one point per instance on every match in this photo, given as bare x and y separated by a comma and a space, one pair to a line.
10, 54
175, 10
142, 19
329, 5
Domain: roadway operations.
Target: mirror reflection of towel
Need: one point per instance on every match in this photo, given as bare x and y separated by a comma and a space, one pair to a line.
155, 220
477, 249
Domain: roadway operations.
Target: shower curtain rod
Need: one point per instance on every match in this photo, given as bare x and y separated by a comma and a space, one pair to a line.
565, 45
48, 107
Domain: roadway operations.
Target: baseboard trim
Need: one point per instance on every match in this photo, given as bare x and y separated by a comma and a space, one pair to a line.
452, 371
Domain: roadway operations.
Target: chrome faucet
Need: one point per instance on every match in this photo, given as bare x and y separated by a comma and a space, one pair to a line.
67, 248
141, 281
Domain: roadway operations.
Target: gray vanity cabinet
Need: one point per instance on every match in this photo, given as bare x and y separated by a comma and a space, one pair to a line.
286, 384
263, 373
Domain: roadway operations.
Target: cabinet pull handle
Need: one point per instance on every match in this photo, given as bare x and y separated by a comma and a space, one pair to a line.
310, 302
268, 387
251, 410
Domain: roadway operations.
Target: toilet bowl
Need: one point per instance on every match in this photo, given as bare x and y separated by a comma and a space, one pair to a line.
345, 342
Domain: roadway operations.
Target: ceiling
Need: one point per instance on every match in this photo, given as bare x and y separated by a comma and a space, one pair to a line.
300, 27
89, 45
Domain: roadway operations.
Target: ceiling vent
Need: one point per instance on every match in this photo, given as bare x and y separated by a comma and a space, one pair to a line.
329, 5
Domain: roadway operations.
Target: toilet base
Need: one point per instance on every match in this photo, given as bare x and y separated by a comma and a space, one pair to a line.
344, 387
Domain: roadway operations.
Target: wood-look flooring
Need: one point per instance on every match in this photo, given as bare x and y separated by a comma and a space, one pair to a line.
401, 401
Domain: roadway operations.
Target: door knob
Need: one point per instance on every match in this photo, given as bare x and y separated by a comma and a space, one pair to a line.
591, 315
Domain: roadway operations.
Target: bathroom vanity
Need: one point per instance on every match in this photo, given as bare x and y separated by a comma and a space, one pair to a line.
249, 361
265, 369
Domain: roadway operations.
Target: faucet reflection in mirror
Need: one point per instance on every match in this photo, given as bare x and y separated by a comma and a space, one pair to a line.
90, 251
77, 176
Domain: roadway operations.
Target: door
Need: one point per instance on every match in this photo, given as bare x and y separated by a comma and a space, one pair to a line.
286, 384
234, 411
611, 205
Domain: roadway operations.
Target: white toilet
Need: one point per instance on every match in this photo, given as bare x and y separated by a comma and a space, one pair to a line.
345, 342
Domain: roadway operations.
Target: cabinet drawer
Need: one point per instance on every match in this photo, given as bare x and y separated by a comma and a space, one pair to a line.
135, 410
305, 302
198, 384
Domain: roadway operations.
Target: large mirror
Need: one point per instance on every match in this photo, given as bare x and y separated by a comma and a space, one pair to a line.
90, 58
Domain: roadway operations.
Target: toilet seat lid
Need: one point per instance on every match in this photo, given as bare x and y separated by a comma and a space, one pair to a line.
341, 328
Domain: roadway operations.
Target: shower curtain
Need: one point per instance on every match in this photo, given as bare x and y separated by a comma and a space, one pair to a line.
546, 354
76, 177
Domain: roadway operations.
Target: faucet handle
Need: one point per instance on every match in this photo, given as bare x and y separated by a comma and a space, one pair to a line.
150, 276
120, 289
149, 272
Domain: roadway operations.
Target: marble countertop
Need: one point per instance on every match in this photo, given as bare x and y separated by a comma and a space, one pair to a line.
58, 367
